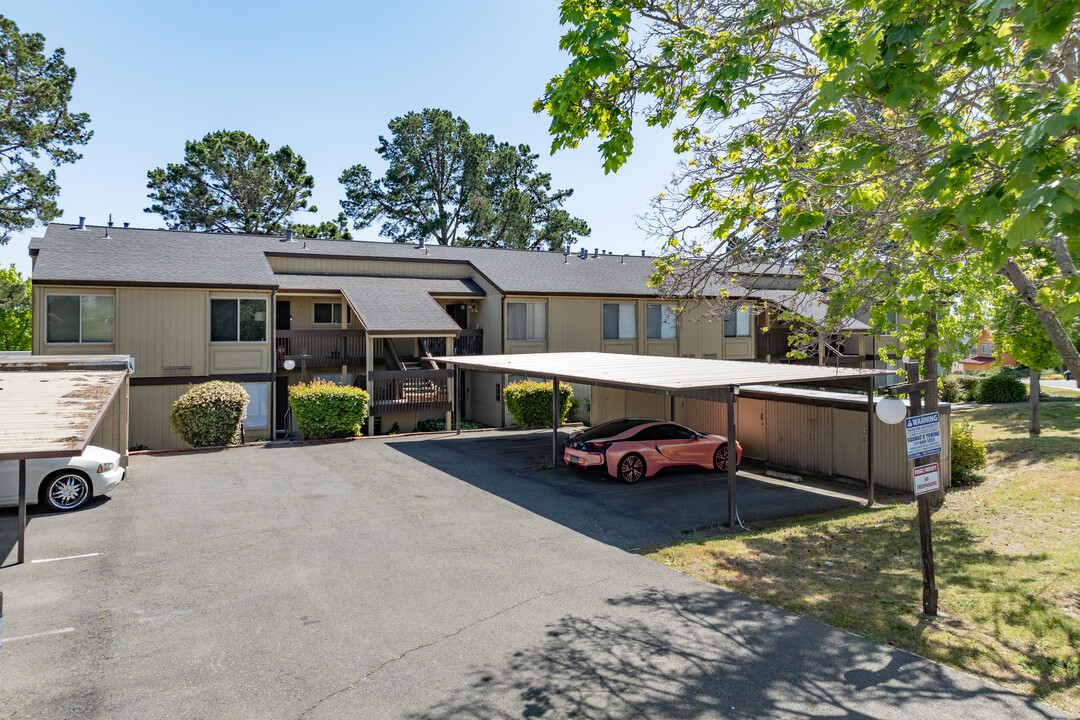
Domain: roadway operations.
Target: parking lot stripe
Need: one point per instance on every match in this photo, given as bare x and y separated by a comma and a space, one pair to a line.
40, 634
69, 557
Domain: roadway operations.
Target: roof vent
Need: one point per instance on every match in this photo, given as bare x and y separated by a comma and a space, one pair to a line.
82, 222
126, 224
622, 260
421, 245
110, 219
596, 252
584, 253
288, 235
642, 253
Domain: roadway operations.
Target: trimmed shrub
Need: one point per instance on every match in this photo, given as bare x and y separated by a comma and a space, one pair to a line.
967, 383
210, 414
1000, 389
948, 389
968, 455
530, 402
326, 410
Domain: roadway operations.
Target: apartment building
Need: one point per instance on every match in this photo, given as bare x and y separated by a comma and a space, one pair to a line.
267, 312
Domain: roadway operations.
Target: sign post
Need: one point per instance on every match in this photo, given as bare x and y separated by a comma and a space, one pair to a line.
924, 438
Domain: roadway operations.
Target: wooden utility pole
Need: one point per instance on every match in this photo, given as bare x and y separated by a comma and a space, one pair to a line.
929, 593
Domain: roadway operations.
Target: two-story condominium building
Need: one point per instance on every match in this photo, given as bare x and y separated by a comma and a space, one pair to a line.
196, 306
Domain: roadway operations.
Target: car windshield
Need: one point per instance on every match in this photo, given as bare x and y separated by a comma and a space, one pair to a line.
612, 428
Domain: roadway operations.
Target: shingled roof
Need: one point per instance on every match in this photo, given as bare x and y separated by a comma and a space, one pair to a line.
390, 304
136, 256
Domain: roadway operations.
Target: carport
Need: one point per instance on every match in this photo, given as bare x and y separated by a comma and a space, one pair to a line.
713, 380
51, 406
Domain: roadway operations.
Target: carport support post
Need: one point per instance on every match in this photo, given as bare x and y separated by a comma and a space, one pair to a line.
733, 456
870, 442
555, 422
457, 398
22, 510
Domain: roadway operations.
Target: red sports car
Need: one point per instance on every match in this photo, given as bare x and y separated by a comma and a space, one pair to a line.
633, 448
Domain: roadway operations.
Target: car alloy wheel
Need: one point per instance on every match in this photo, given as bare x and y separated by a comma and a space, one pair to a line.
720, 458
67, 491
632, 468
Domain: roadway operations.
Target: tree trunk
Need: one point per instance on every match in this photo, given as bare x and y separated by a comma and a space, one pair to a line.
1058, 334
1033, 401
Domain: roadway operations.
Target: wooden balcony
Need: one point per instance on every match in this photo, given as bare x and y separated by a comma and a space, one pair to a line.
468, 342
406, 391
322, 347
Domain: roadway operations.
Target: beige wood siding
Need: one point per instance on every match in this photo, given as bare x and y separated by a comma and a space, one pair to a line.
163, 328
575, 324
699, 335
346, 266
241, 357
150, 408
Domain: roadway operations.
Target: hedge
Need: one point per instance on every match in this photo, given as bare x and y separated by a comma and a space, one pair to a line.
1000, 389
326, 410
530, 402
968, 454
210, 414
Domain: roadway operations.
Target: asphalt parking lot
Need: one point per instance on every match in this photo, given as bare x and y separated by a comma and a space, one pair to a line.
416, 578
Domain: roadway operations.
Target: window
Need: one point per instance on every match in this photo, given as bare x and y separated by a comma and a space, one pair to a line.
80, 318
258, 409
737, 324
620, 321
330, 313
526, 321
987, 349
237, 320
659, 322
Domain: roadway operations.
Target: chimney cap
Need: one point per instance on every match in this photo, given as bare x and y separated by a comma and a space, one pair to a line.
82, 222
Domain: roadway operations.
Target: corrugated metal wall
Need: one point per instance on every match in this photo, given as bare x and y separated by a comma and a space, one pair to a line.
112, 433
797, 436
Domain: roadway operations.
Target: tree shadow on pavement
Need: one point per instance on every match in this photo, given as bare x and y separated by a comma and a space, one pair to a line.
713, 654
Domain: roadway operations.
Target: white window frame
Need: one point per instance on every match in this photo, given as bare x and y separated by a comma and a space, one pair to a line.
986, 349
666, 311
80, 341
238, 341
539, 333
619, 325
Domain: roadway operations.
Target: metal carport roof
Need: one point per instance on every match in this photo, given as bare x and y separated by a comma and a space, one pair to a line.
716, 380
50, 406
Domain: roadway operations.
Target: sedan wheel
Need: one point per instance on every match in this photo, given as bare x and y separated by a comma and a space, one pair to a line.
66, 491
632, 468
720, 458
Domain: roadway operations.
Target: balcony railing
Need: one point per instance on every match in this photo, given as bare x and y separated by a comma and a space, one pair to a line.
406, 391
468, 342
322, 347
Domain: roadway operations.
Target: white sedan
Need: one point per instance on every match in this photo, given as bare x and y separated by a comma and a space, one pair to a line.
63, 483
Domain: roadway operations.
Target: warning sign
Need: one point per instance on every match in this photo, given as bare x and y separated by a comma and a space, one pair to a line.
927, 478
923, 435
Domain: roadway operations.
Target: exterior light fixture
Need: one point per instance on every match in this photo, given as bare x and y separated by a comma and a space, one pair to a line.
289, 364
891, 410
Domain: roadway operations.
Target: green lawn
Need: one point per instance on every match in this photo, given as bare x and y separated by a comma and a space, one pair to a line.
1008, 562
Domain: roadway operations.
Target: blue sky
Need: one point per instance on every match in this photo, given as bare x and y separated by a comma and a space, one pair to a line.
324, 78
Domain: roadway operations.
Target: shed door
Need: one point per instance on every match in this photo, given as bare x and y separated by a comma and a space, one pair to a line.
751, 427
849, 444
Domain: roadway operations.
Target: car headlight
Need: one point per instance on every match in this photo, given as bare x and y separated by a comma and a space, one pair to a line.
105, 467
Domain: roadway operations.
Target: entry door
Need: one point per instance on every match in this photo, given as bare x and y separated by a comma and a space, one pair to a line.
284, 315
460, 313
281, 401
